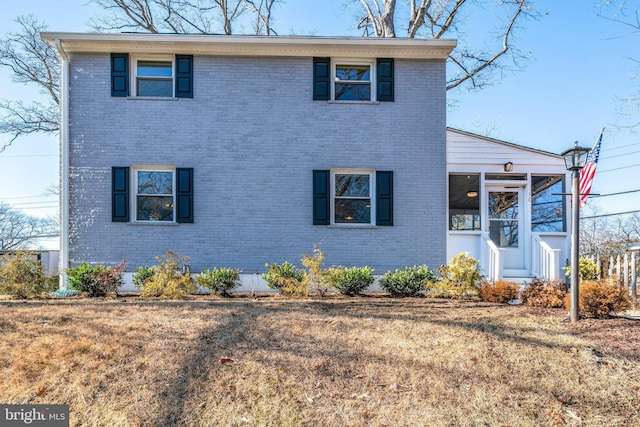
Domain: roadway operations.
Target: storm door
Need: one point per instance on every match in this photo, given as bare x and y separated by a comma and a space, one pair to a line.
506, 207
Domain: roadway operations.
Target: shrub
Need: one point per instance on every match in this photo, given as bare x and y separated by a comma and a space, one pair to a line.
169, 280
600, 299
501, 291
315, 277
350, 281
544, 293
22, 276
142, 275
96, 281
407, 281
219, 279
588, 269
286, 278
458, 278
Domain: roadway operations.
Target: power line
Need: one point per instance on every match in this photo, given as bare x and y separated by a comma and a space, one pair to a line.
615, 194
29, 155
623, 167
611, 214
27, 197
619, 155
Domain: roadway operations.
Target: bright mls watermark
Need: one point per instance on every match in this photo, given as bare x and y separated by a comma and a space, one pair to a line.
34, 415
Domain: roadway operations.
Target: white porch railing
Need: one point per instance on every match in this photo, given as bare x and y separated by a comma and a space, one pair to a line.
546, 261
492, 259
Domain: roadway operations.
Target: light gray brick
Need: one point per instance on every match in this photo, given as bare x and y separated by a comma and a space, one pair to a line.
253, 135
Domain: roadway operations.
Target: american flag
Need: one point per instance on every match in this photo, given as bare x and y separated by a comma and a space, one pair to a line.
589, 171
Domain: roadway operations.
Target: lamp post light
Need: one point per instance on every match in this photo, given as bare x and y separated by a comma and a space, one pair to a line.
574, 159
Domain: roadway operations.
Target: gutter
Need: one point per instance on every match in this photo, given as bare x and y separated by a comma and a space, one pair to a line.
64, 167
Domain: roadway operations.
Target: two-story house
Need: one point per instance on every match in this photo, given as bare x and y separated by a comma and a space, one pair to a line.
241, 151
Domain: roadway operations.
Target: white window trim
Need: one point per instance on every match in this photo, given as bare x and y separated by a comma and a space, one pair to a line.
134, 191
372, 196
134, 74
372, 79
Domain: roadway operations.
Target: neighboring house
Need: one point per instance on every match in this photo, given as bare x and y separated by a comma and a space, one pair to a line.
506, 207
241, 151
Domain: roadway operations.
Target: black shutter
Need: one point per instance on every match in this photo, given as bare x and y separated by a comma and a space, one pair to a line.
384, 75
321, 79
384, 198
120, 194
119, 74
321, 196
184, 76
184, 195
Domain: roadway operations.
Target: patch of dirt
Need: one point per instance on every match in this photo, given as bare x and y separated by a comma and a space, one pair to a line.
618, 335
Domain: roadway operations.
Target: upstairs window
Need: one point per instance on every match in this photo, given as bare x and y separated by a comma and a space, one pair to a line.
352, 82
154, 78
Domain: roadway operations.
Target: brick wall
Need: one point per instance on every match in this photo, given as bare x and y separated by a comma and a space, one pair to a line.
253, 135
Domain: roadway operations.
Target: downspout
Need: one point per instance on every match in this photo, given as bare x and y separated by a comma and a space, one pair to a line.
64, 167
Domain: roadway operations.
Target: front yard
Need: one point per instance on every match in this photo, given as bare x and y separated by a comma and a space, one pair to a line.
273, 361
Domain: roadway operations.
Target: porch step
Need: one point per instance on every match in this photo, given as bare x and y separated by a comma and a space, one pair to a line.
519, 280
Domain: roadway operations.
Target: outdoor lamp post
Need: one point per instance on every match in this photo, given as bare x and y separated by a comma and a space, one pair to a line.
574, 159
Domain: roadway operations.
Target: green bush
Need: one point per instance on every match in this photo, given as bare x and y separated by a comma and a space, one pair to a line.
286, 278
407, 281
350, 281
588, 269
168, 281
219, 279
22, 276
501, 291
600, 299
98, 280
544, 293
142, 275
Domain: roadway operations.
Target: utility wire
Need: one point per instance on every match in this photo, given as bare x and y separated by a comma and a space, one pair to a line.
619, 155
611, 214
623, 167
615, 194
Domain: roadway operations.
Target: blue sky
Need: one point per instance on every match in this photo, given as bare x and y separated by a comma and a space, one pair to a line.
580, 66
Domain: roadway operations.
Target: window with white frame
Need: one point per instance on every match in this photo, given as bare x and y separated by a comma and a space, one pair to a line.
547, 203
353, 192
153, 77
353, 81
154, 194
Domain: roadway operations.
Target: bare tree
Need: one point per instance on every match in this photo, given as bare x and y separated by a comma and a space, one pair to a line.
262, 10
32, 62
21, 231
184, 16
627, 14
473, 66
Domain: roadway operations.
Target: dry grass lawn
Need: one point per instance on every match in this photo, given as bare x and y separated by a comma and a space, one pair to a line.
370, 361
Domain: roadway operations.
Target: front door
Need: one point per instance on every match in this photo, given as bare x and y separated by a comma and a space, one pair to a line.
506, 226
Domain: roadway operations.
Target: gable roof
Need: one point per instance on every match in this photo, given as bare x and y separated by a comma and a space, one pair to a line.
351, 47
503, 143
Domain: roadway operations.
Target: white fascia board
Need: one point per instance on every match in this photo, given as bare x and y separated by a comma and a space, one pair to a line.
351, 47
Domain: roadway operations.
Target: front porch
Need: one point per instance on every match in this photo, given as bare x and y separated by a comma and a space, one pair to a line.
506, 208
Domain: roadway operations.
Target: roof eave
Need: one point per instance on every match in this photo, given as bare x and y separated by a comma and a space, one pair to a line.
352, 47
